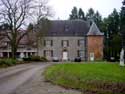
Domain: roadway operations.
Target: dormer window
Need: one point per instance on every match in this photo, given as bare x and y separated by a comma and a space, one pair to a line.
66, 28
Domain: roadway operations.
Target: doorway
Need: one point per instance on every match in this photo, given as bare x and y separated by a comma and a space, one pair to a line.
65, 55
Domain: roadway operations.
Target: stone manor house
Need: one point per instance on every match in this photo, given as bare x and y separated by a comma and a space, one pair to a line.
65, 40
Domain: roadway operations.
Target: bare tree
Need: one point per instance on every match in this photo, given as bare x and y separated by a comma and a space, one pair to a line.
15, 13
42, 24
42, 10
42, 28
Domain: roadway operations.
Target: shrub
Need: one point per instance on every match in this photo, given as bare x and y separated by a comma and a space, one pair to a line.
2, 62
35, 58
27, 59
44, 59
10, 62
7, 62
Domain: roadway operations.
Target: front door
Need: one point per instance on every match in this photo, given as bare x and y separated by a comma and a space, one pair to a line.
48, 54
65, 56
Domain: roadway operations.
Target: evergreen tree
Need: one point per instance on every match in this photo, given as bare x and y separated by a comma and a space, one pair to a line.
112, 35
114, 21
90, 14
74, 13
94, 16
77, 14
81, 14
123, 24
97, 18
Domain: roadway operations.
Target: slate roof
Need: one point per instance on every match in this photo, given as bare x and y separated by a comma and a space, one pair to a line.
94, 30
68, 28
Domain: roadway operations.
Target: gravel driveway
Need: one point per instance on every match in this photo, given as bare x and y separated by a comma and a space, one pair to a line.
28, 79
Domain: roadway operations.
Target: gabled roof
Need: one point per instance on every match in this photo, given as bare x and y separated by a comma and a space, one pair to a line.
94, 30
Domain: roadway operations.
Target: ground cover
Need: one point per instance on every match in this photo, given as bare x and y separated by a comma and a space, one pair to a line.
90, 78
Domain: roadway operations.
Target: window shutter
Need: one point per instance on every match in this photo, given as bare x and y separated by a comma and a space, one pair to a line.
44, 42
51, 42
78, 53
67, 43
44, 53
51, 53
78, 42
62, 43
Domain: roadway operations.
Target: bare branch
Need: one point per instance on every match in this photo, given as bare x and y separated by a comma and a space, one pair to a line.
16, 12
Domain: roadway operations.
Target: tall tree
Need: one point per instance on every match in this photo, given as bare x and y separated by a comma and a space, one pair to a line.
15, 14
74, 13
41, 28
90, 14
77, 14
31, 37
112, 35
98, 19
94, 16
4, 26
81, 14
114, 21
123, 24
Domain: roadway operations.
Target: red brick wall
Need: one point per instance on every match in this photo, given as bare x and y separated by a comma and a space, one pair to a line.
95, 45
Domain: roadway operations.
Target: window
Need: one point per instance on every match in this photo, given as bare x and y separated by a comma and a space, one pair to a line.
80, 42
48, 53
80, 53
66, 28
65, 43
48, 43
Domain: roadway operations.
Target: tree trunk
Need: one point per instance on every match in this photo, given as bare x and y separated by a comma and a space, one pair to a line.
14, 50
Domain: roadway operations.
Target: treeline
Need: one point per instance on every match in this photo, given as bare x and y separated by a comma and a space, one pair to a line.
111, 26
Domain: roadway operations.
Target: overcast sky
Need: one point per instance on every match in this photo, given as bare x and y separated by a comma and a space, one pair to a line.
62, 8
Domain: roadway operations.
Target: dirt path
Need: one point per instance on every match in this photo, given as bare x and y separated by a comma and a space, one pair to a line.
28, 79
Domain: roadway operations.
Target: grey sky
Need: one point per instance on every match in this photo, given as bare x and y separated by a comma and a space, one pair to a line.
62, 8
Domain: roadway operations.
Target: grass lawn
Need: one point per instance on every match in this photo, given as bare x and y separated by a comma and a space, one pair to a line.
92, 78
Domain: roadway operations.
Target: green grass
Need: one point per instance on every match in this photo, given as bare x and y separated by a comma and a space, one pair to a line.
102, 78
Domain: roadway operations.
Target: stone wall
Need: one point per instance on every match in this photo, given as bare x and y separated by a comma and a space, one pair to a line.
57, 48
